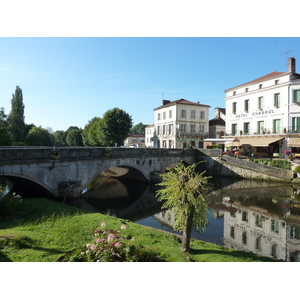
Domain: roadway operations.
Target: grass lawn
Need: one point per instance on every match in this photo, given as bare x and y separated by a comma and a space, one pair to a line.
44, 230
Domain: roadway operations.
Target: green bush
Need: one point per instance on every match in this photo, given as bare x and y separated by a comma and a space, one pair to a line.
9, 204
297, 169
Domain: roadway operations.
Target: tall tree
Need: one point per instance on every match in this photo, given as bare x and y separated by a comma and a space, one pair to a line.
139, 128
89, 138
38, 137
16, 119
183, 191
74, 138
114, 127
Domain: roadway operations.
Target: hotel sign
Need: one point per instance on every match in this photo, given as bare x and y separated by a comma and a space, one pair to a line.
256, 113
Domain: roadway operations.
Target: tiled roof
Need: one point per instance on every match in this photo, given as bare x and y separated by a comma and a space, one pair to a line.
263, 78
181, 101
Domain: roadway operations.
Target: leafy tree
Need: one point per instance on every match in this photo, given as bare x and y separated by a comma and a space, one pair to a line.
5, 138
16, 119
74, 138
86, 139
38, 136
183, 191
60, 138
114, 127
139, 128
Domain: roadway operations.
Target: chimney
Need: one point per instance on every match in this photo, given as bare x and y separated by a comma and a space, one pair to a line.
166, 102
292, 64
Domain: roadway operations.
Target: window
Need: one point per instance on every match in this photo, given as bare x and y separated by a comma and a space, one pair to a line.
164, 115
260, 127
296, 124
259, 221
158, 116
246, 128
170, 128
276, 81
232, 232
183, 113
193, 114
246, 90
233, 129
246, 105
244, 237
245, 216
260, 86
296, 95
275, 226
170, 114
202, 114
260, 102
234, 107
276, 126
295, 232
193, 126
258, 243
234, 92
183, 128
276, 99
158, 130
201, 128
274, 250
164, 129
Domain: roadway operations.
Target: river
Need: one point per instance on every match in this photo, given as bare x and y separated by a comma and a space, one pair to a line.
258, 217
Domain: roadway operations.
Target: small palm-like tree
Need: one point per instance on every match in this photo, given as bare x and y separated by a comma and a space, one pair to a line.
183, 190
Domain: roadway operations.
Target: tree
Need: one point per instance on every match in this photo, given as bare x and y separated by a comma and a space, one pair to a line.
114, 127
16, 119
183, 191
38, 136
139, 128
59, 138
5, 138
74, 138
86, 132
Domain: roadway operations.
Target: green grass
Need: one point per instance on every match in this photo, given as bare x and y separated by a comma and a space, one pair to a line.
44, 230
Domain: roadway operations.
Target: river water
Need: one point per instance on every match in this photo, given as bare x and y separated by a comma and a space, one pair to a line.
258, 217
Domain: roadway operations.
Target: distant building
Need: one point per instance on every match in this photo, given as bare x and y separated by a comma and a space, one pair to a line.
135, 140
217, 124
180, 123
149, 136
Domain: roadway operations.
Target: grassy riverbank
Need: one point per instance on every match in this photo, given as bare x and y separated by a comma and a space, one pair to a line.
44, 230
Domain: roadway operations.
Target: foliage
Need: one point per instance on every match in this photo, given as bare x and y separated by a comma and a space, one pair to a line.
90, 133
277, 163
138, 128
16, 119
38, 136
74, 138
214, 146
111, 246
5, 138
114, 127
183, 190
297, 169
9, 203
60, 138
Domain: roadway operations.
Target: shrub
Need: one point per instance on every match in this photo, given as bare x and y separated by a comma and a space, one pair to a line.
111, 246
9, 204
297, 169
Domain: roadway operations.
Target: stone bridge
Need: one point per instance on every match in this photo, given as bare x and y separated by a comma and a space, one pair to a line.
70, 173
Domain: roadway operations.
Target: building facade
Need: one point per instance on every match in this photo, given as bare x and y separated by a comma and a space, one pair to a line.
149, 136
180, 124
265, 112
135, 140
217, 124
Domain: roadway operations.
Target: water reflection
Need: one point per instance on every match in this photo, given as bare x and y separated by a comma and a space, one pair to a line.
258, 217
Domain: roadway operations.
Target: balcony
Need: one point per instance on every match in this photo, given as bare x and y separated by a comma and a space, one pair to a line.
268, 131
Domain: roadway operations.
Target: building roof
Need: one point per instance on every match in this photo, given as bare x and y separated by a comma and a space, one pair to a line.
180, 101
260, 79
149, 126
136, 135
216, 121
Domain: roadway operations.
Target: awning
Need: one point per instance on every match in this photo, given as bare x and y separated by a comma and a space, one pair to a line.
255, 142
294, 142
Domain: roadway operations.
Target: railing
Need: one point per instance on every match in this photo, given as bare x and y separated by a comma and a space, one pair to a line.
281, 130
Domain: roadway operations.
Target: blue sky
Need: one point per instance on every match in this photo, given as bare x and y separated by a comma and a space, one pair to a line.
68, 81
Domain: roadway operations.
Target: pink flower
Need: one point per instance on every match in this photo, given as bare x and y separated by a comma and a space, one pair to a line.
93, 246
110, 237
103, 224
100, 240
123, 226
117, 244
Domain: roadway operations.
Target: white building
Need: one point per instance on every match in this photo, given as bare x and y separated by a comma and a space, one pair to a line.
135, 140
265, 112
180, 123
149, 134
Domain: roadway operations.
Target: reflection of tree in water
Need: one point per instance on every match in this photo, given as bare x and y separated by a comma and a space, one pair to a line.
112, 193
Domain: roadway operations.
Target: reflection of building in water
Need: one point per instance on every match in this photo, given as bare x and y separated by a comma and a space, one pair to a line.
257, 230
